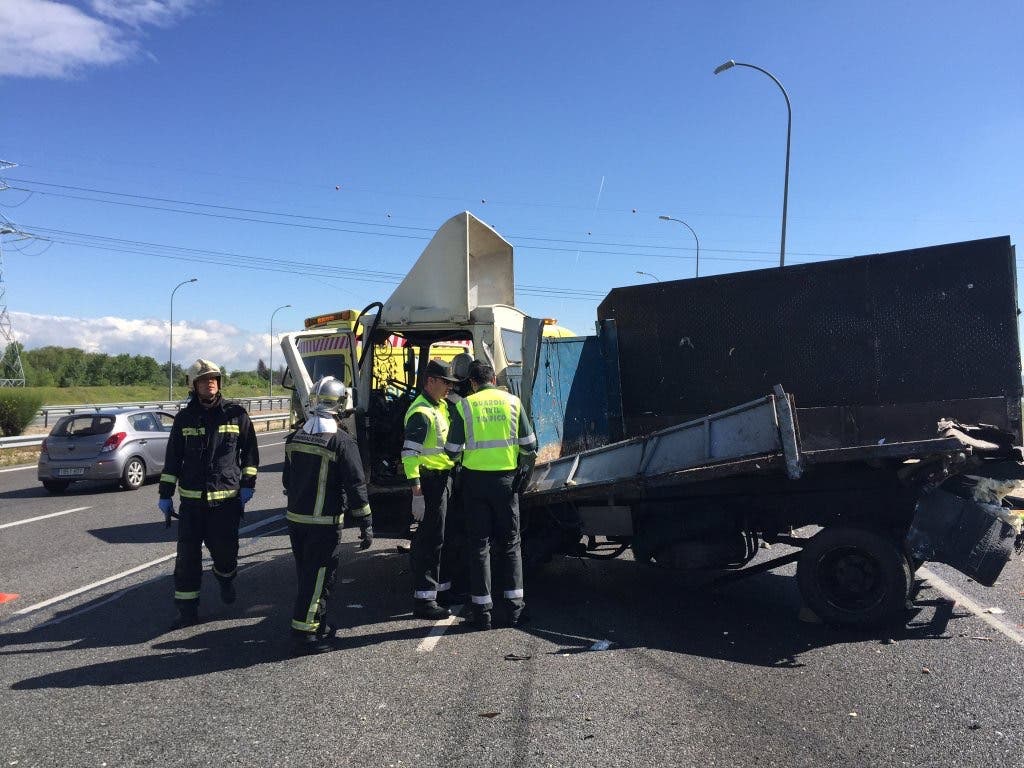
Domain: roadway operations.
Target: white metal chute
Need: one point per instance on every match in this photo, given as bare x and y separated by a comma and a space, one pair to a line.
465, 265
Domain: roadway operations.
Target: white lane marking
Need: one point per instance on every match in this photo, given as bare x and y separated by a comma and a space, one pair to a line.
267, 445
955, 594
67, 595
428, 643
18, 469
43, 517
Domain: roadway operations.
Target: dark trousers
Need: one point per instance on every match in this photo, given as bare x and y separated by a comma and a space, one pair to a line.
216, 526
316, 551
454, 554
492, 517
425, 555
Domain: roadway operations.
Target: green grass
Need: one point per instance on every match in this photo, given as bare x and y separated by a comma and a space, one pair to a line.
134, 394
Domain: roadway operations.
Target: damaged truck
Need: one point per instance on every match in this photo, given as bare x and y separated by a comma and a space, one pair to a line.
874, 400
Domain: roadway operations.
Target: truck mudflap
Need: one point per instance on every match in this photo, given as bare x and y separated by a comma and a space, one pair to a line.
969, 523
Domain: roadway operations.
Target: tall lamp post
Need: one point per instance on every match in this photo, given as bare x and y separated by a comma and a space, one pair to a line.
696, 272
789, 128
170, 350
648, 274
283, 306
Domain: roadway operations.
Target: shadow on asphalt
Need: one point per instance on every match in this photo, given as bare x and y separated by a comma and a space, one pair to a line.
572, 603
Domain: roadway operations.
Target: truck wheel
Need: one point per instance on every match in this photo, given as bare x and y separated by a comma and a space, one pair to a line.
854, 577
56, 486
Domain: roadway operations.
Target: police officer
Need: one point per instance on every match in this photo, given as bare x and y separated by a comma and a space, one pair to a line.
323, 477
497, 446
212, 458
428, 470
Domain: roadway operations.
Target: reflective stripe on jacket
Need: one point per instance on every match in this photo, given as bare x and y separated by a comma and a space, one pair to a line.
426, 430
211, 452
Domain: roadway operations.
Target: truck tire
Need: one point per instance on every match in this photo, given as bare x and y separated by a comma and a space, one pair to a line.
854, 577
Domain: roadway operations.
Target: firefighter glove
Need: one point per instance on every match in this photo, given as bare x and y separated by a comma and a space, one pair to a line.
166, 507
366, 532
245, 495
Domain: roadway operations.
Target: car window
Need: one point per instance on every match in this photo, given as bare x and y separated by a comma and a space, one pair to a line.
143, 422
84, 425
166, 421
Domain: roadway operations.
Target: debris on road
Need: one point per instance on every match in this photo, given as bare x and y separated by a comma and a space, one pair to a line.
995, 611
489, 714
601, 645
516, 657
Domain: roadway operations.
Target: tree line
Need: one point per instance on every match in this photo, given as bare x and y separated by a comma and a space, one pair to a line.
72, 367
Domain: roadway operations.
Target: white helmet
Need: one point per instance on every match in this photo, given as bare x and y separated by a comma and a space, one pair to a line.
202, 369
329, 397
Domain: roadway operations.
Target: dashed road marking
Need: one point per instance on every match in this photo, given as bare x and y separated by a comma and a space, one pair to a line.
43, 517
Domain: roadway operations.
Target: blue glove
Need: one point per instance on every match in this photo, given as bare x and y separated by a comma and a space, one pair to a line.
245, 494
166, 506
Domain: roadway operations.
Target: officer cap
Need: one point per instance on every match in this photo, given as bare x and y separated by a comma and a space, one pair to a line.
440, 370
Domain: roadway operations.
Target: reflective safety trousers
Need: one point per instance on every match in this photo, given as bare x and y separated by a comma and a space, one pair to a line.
211, 453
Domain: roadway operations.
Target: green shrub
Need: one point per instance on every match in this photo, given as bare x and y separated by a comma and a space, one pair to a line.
17, 409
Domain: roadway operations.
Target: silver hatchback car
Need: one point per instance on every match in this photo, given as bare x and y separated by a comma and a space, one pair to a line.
122, 444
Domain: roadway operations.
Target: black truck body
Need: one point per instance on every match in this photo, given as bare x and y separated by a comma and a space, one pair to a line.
710, 415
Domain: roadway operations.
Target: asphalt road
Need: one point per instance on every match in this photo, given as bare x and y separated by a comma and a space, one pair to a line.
622, 665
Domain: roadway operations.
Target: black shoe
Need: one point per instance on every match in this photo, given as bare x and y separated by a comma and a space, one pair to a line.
326, 631
449, 598
227, 592
482, 621
429, 609
186, 618
309, 643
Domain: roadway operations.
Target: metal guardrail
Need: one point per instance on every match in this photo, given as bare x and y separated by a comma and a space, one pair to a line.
34, 441
54, 412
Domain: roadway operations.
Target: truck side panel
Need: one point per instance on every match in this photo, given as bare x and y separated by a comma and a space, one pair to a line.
930, 325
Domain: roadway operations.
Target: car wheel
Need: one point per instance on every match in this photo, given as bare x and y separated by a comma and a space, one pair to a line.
56, 486
134, 474
854, 577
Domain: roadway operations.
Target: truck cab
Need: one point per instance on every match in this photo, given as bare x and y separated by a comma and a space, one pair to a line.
458, 297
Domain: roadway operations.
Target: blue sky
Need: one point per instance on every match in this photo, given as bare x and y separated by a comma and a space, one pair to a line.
345, 133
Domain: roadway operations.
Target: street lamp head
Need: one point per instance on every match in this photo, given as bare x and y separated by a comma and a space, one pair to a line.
665, 218
722, 67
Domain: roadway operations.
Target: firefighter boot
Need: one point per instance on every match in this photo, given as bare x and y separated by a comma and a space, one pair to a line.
429, 609
227, 590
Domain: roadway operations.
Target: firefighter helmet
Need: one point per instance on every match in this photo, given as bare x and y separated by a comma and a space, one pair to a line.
329, 396
460, 366
203, 369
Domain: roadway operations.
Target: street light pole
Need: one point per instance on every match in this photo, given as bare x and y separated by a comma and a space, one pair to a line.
696, 272
789, 129
649, 275
170, 347
272, 347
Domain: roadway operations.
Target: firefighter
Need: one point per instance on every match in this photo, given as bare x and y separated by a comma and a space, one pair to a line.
323, 478
212, 458
429, 470
497, 445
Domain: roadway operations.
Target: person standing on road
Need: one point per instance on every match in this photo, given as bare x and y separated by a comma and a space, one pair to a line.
497, 445
454, 557
212, 457
323, 478
429, 471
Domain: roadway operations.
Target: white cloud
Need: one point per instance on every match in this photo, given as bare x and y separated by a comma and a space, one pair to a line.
227, 345
45, 38
160, 13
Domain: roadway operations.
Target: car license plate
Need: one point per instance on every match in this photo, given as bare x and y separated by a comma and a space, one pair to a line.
70, 471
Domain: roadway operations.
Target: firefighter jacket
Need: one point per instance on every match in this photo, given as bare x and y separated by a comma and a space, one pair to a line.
491, 431
323, 478
211, 452
426, 430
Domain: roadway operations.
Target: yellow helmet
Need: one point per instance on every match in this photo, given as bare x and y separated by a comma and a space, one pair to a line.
203, 369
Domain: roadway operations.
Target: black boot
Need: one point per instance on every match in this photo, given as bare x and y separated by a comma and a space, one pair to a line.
429, 609
227, 591
304, 643
188, 615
